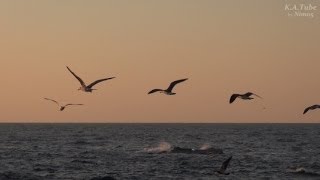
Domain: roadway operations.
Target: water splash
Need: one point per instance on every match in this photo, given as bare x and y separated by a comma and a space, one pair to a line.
205, 146
160, 148
300, 170
303, 171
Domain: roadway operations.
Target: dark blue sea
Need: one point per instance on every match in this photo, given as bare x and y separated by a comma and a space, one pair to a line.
144, 151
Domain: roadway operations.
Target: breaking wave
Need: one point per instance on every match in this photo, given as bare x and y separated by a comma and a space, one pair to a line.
160, 148
205, 146
303, 171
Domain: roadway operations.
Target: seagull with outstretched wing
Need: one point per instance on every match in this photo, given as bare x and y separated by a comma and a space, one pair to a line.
84, 87
316, 106
246, 96
168, 91
61, 107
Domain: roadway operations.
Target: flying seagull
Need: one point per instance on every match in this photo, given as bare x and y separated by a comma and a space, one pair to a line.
170, 88
61, 107
224, 166
84, 87
311, 108
245, 96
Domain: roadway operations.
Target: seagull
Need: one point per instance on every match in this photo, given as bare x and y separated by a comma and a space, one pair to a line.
61, 107
311, 108
84, 87
245, 96
224, 166
170, 88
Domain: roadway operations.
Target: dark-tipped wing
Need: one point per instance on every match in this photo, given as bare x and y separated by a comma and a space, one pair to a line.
52, 101
233, 97
311, 108
175, 83
154, 90
225, 165
98, 81
79, 79
306, 110
250, 94
73, 104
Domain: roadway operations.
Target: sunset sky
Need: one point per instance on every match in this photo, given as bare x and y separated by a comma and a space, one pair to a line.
223, 47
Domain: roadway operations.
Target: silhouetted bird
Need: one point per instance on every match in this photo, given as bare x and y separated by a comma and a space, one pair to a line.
84, 87
61, 107
246, 96
170, 88
311, 108
224, 167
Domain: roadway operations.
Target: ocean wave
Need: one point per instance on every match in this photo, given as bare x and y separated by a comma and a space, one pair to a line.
160, 148
207, 151
303, 171
165, 147
205, 146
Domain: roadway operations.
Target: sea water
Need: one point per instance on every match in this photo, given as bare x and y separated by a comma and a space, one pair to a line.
142, 151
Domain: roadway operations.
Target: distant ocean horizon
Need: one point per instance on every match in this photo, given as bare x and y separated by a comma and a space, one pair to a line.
149, 150
161, 123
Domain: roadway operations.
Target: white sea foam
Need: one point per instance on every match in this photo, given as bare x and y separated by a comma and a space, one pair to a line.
300, 170
161, 147
205, 146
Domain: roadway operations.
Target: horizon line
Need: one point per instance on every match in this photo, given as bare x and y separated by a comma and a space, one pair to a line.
159, 123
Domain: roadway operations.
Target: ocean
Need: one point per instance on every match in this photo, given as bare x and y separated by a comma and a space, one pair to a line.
144, 151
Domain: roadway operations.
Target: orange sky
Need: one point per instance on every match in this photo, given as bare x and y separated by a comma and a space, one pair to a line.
223, 47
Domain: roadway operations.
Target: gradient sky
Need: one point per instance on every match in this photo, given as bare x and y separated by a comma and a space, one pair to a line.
223, 47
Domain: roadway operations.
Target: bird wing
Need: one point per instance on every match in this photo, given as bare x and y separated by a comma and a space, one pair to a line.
98, 81
310, 108
250, 93
306, 110
154, 90
257, 95
175, 83
52, 101
225, 165
233, 97
79, 79
73, 104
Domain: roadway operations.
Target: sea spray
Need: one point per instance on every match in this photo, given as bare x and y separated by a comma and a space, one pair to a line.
160, 148
205, 146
